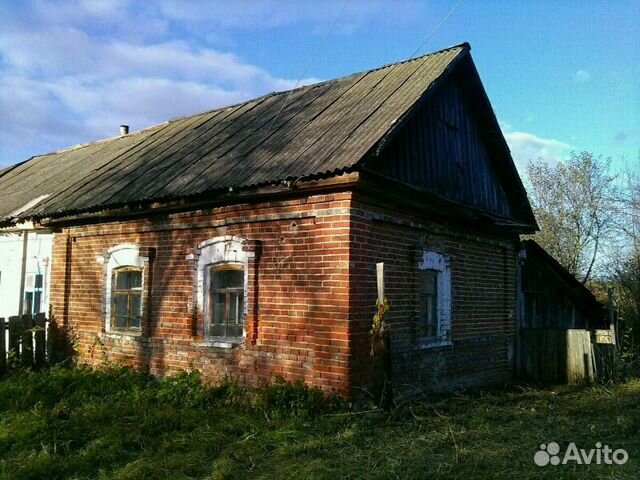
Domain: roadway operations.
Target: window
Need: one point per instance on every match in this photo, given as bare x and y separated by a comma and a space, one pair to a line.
221, 292
123, 289
37, 293
226, 298
127, 298
33, 292
434, 299
428, 304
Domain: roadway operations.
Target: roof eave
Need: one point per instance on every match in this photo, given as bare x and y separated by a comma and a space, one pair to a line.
216, 198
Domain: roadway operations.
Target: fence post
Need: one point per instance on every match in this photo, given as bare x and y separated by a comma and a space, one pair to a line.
3, 348
27, 341
52, 342
39, 357
14, 335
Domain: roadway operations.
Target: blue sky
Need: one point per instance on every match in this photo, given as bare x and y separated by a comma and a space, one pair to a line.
561, 75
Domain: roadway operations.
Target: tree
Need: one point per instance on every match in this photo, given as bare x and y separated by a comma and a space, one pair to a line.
626, 274
575, 205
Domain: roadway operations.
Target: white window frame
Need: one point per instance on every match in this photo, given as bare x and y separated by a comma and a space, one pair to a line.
227, 249
123, 255
442, 264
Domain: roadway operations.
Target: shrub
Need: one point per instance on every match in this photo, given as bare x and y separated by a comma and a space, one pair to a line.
283, 399
184, 388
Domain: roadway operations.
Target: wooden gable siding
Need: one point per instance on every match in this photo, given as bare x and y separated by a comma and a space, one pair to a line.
441, 150
553, 297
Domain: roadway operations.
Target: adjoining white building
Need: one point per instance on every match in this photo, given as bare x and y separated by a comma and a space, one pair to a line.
25, 271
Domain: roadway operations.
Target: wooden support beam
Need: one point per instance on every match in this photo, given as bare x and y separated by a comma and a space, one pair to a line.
3, 348
40, 341
26, 337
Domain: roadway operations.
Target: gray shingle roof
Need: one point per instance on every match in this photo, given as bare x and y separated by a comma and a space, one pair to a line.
319, 130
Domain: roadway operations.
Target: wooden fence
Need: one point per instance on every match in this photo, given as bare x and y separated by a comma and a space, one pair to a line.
25, 341
571, 356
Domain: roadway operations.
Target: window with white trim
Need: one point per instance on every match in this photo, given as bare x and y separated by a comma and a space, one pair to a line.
123, 289
225, 300
434, 298
126, 295
221, 287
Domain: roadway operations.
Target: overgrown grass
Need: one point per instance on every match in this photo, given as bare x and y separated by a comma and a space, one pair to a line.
114, 423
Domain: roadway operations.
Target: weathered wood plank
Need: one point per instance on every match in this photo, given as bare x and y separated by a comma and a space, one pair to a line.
40, 340
566, 356
52, 341
15, 330
26, 341
3, 347
579, 357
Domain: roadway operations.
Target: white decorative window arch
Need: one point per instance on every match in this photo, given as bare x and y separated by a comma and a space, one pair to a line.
434, 299
121, 260
221, 287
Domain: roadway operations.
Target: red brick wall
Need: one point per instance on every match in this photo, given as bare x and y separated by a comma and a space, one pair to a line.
297, 321
311, 294
483, 303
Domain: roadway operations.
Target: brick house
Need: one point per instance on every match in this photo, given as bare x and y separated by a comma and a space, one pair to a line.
243, 241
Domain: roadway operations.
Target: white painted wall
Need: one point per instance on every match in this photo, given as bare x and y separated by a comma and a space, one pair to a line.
38, 261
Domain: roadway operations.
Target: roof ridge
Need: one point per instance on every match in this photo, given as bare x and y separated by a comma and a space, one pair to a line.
93, 142
463, 45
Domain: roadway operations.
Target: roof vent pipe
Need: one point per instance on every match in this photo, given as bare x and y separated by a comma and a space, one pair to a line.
124, 129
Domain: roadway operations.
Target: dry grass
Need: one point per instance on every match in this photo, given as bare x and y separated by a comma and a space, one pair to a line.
117, 424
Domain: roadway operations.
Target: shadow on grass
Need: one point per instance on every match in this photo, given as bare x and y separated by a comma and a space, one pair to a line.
119, 424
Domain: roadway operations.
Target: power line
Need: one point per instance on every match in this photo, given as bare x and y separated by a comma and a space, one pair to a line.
322, 42
437, 27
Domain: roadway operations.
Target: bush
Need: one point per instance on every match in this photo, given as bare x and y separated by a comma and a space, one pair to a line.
184, 388
283, 399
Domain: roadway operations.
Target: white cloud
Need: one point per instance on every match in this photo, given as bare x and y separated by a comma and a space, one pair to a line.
63, 81
526, 146
250, 14
581, 76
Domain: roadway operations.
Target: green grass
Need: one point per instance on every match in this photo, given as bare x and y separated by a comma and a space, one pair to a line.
113, 423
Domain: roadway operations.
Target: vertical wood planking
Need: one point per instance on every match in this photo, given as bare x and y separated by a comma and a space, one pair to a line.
26, 337
51, 342
15, 328
443, 149
3, 349
40, 341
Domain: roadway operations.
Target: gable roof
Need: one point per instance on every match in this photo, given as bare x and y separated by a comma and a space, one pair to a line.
581, 296
310, 132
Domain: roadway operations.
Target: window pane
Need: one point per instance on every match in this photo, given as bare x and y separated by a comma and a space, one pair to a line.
37, 300
120, 322
120, 310
428, 281
218, 308
227, 279
217, 330
121, 304
135, 278
135, 322
122, 281
135, 310
28, 303
128, 279
235, 308
235, 331
428, 326
38, 281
